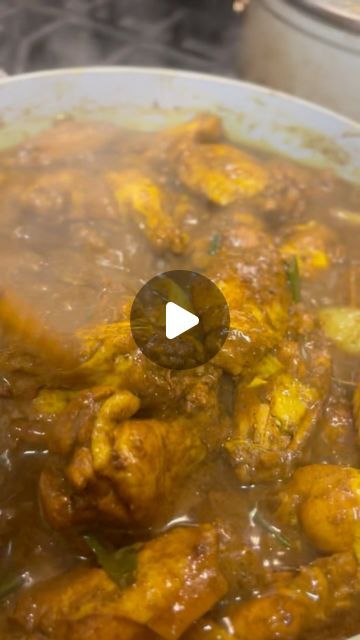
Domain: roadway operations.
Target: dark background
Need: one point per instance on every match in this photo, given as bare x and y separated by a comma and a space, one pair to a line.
188, 34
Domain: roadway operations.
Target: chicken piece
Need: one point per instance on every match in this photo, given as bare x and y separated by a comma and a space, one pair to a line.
314, 245
165, 144
250, 273
204, 127
20, 325
238, 230
277, 408
111, 361
220, 172
288, 190
177, 580
70, 141
65, 142
103, 345
325, 500
305, 602
114, 469
68, 194
139, 195
26, 370
56, 195
258, 319
31, 354
110, 357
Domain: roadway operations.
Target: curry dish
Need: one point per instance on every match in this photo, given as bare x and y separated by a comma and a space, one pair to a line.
142, 503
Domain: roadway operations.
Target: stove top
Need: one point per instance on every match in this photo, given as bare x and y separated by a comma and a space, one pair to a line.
195, 34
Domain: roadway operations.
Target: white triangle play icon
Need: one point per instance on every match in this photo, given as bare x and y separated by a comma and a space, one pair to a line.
178, 320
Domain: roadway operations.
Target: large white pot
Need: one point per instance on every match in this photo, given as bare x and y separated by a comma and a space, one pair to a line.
288, 45
154, 98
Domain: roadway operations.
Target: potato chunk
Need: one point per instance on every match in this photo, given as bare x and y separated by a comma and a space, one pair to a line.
221, 173
177, 580
305, 602
342, 326
325, 501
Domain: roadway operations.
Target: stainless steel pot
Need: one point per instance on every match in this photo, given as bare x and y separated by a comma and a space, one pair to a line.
310, 48
154, 98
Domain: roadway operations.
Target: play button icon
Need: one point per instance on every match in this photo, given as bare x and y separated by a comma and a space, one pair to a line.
179, 319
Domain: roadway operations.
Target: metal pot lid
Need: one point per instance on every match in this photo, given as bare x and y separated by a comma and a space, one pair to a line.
345, 13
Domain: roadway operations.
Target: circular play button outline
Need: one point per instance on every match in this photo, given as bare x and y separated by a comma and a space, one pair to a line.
179, 319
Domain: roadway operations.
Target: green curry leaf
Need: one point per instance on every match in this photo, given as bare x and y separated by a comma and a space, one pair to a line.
215, 243
119, 565
9, 583
270, 528
294, 278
